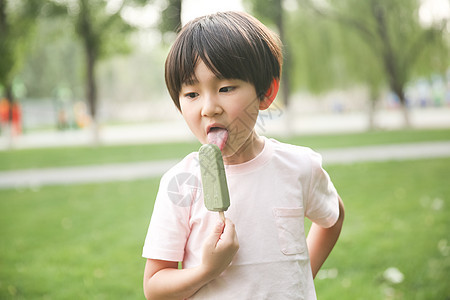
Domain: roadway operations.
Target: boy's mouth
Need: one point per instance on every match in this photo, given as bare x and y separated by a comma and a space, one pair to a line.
218, 136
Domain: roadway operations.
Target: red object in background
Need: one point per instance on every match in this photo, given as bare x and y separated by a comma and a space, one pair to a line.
4, 111
16, 119
16, 116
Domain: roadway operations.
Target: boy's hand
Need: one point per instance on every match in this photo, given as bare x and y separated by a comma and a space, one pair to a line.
220, 248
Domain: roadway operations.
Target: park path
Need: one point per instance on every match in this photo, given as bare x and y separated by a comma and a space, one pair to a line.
35, 178
269, 124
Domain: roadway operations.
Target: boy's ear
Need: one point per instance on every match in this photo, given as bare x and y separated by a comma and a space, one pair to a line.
270, 95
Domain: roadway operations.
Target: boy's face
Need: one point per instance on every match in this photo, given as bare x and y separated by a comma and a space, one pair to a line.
226, 103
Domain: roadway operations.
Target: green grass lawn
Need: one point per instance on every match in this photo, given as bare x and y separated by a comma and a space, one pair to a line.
55, 157
74, 242
85, 241
397, 215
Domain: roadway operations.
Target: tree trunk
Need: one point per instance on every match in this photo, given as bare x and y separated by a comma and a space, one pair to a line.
91, 95
373, 99
396, 81
9, 96
91, 47
404, 107
285, 85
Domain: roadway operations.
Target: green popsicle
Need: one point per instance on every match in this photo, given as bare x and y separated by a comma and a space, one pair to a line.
214, 180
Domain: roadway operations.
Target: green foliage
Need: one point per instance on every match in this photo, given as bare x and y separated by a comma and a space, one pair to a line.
137, 76
317, 44
170, 17
55, 60
335, 44
376, 42
102, 32
266, 11
17, 22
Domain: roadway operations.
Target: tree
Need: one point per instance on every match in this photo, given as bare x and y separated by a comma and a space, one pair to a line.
171, 17
17, 21
102, 32
271, 12
329, 56
55, 60
394, 37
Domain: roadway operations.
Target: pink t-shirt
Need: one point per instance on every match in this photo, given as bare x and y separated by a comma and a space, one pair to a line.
270, 197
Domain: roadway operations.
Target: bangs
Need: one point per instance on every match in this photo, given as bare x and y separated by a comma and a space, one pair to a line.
220, 55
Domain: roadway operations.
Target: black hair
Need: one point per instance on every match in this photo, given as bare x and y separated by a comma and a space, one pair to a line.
233, 45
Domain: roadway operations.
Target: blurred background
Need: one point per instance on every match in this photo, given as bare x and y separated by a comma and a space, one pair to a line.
87, 128
86, 66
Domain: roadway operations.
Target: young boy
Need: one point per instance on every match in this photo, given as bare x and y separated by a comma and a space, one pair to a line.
221, 70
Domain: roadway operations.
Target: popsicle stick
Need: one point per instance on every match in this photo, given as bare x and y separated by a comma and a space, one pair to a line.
222, 215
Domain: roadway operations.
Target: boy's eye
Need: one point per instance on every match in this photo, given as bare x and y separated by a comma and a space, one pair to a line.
226, 89
191, 95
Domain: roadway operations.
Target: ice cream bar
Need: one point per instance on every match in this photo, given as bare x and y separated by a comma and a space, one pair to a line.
215, 188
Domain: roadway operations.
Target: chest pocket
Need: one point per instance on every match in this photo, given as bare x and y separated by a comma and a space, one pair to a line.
291, 229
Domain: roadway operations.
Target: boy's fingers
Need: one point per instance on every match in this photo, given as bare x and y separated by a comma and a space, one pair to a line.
229, 229
214, 236
229, 234
218, 229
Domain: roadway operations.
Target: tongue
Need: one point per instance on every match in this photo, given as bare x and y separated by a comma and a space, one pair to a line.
218, 136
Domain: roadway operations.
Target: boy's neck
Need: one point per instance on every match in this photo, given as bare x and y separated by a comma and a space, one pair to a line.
252, 147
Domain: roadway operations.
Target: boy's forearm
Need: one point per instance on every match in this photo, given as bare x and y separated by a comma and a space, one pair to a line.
322, 240
175, 284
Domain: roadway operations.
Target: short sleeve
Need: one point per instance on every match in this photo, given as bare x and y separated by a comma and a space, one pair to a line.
322, 203
169, 225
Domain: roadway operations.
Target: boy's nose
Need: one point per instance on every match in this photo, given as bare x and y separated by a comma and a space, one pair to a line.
211, 106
